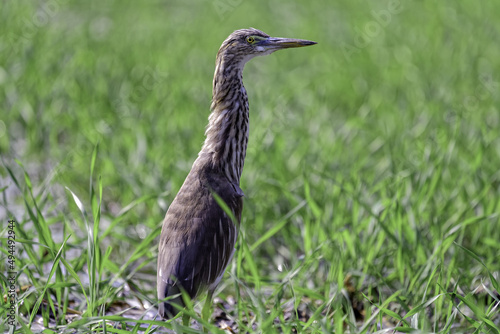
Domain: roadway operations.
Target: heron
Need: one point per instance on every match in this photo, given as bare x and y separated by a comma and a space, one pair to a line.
200, 228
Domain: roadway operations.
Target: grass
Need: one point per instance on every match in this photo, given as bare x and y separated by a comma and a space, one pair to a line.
372, 181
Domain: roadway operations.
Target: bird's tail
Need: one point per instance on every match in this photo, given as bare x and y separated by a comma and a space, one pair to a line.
166, 309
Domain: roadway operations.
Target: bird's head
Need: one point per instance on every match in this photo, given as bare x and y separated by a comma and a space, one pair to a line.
245, 44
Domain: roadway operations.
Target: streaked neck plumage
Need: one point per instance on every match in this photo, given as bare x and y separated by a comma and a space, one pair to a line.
227, 130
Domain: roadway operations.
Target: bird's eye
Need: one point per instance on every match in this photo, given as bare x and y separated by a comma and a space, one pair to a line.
250, 39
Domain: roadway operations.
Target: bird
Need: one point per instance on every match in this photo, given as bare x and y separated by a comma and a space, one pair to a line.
201, 225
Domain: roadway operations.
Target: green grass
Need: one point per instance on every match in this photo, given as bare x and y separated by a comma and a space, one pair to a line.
372, 182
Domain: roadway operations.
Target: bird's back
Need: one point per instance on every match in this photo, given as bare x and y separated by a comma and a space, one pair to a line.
198, 237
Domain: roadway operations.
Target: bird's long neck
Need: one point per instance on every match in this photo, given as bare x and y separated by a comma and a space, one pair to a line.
227, 130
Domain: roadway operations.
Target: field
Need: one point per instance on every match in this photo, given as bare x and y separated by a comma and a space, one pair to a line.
372, 176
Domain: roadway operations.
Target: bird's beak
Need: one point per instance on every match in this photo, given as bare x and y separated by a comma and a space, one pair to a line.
278, 43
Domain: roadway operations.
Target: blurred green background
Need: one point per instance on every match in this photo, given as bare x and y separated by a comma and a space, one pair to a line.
375, 153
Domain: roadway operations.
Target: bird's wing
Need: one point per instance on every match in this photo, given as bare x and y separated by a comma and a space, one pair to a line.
198, 254
197, 240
